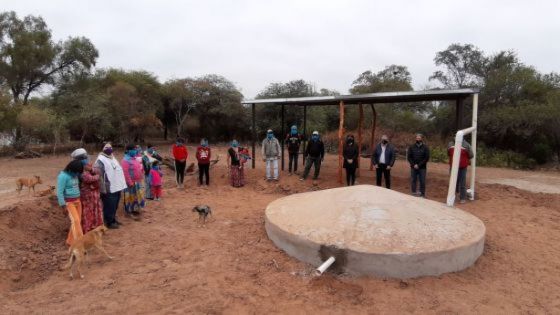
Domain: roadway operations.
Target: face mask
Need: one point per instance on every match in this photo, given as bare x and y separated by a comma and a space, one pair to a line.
315, 137
108, 151
384, 141
234, 145
178, 144
418, 141
269, 135
350, 141
294, 131
204, 144
84, 161
131, 153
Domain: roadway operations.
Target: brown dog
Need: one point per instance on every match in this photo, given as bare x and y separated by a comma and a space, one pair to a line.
28, 182
82, 246
45, 192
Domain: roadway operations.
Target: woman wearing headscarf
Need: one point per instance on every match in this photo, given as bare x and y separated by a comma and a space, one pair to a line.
111, 184
133, 174
92, 215
203, 156
68, 195
234, 165
350, 154
147, 161
180, 154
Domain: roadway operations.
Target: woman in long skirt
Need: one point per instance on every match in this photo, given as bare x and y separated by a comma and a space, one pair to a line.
92, 210
133, 194
235, 167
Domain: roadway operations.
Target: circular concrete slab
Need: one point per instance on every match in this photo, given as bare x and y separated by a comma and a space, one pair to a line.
375, 231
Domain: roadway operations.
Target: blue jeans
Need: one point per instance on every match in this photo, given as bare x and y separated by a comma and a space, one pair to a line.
418, 175
462, 183
110, 205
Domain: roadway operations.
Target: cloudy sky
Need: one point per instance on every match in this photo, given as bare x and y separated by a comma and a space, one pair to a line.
328, 43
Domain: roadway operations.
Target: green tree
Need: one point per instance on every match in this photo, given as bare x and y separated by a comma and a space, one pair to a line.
29, 58
463, 66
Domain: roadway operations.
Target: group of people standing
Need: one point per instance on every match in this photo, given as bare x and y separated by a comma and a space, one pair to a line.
90, 192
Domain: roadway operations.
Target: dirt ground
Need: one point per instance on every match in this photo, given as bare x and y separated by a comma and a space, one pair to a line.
166, 263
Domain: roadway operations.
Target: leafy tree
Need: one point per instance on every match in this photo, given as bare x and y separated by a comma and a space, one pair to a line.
463, 66
181, 100
29, 58
392, 78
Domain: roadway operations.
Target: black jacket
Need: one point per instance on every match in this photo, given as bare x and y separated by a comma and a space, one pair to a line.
390, 154
315, 149
293, 142
350, 152
418, 154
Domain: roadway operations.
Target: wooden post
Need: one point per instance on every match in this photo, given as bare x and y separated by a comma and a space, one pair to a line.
340, 139
360, 126
254, 136
282, 135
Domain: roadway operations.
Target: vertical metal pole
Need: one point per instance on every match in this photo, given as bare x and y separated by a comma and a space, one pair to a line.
473, 144
254, 136
282, 134
304, 133
458, 114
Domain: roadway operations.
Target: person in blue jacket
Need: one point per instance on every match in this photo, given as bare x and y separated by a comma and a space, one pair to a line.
68, 194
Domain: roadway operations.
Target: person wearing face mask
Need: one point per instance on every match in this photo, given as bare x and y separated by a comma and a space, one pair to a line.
418, 155
68, 195
293, 142
383, 159
235, 166
350, 154
133, 194
203, 155
92, 213
180, 155
271, 153
464, 161
314, 155
111, 183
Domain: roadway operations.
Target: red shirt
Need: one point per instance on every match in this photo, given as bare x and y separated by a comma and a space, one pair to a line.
180, 152
463, 157
203, 155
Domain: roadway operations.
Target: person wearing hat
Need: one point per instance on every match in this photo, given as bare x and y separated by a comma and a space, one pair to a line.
68, 196
235, 166
383, 159
271, 151
314, 155
81, 155
111, 184
293, 142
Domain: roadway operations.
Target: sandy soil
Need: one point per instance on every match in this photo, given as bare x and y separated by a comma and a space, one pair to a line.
166, 263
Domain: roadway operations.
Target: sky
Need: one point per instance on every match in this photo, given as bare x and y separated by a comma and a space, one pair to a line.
327, 43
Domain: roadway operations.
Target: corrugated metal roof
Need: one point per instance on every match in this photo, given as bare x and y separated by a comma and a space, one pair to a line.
384, 97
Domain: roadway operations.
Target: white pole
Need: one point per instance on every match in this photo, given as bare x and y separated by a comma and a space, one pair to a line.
473, 144
319, 271
454, 168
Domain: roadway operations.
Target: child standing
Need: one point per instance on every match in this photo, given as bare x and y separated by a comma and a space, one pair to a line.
203, 154
156, 181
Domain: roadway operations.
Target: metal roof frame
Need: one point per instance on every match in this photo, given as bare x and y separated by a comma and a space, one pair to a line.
370, 98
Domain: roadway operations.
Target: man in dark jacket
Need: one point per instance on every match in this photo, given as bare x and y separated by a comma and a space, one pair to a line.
383, 159
418, 155
314, 153
293, 142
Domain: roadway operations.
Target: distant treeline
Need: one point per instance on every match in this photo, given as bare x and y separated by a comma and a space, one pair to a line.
519, 108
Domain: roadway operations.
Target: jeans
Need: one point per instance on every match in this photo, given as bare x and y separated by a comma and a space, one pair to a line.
204, 170
462, 183
293, 161
316, 162
180, 171
110, 205
382, 171
271, 163
418, 174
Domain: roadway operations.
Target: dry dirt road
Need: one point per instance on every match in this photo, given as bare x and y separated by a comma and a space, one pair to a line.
166, 263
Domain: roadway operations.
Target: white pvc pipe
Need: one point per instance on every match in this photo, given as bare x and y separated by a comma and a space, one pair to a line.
473, 143
319, 271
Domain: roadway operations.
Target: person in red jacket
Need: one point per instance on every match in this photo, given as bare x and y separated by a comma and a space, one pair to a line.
180, 155
464, 162
203, 154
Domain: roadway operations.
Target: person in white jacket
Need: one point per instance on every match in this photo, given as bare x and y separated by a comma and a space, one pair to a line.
271, 153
